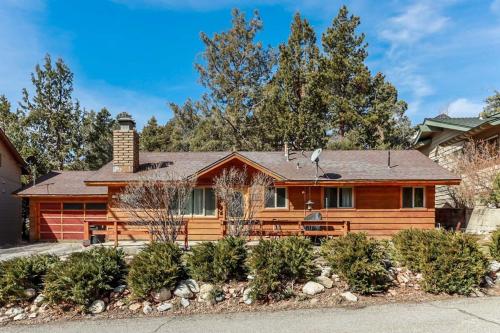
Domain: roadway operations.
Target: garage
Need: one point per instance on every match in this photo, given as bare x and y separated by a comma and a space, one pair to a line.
64, 220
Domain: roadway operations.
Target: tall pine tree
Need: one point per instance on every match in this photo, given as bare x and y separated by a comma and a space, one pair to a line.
52, 116
234, 71
294, 110
346, 78
154, 136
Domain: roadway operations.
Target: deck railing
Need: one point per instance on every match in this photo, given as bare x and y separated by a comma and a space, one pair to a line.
114, 229
281, 228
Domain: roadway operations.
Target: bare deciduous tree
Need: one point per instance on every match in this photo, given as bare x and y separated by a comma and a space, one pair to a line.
478, 163
156, 202
242, 196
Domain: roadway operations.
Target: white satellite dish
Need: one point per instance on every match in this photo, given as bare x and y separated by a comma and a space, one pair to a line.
315, 155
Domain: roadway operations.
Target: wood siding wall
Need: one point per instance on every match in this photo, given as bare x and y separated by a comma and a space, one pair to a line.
10, 206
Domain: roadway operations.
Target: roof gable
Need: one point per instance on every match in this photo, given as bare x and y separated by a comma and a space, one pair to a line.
12, 150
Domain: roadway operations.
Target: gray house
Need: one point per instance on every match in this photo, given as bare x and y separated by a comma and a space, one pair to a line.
12, 167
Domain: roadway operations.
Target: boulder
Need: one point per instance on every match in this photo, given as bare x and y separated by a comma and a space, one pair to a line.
193, 285
20, 316
32, 315
97, 306
30, 293
39, 299
335, 278
348, 296
119, 289
184, 302
494, 266
247, 298
147, 308
161, 295
326, 271
312, 288
12, 312
205, 292
164, 307
183, 290
325, 281
135, 306
489, 281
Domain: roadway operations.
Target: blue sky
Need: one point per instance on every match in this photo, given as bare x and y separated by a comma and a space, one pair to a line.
138, 55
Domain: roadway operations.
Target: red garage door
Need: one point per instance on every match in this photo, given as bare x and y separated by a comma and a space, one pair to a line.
64, 220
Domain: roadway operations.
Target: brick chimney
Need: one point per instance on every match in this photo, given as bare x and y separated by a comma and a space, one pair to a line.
125, 145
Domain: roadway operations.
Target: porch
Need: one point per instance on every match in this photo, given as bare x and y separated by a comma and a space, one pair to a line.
116, 230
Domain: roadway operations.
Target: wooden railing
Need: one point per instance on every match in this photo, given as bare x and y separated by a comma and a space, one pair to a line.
113, 229
281, 228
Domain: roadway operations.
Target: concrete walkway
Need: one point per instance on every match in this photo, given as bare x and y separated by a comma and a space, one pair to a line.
24, 250
463, 315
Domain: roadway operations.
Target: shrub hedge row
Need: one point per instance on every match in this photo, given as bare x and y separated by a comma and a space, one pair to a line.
449, 262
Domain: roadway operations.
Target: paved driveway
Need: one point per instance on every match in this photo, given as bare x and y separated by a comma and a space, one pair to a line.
457, 316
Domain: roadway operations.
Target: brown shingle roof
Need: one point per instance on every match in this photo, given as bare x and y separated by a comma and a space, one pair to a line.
69, 183
346, 165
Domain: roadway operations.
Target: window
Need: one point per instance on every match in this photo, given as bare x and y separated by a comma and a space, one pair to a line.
338, 197
413, 197
72, 206
96, 206
201, 202
276, 197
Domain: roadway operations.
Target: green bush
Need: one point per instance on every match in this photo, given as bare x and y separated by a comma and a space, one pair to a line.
19, 274
495, 245
275, 263
85, 276
411, 245
359, 260
218, 262
453, 264
157, 266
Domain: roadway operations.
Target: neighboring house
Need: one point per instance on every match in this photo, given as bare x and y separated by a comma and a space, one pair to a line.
440, 137
375, 191
12, 166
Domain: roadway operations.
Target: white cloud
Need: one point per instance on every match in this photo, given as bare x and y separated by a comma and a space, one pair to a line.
416, 22
462, 107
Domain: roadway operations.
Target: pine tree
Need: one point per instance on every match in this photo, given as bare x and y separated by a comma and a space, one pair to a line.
183, 125
98, 139
492, 106
234, 71
294, 110
154, 137
51, 116
346, 77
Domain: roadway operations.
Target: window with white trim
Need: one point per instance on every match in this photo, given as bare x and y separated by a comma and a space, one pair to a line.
201, 202
338, 197
276, 197
413, 197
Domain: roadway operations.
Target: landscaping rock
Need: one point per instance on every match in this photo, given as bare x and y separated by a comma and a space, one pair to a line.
250, 277
392, 292
185, 302
161, 295
193, 285
135, 306
120, 289
494, 266
205, 291
44, 308
312, 288
403, 278
183, 290
335, 278
247, 299
20, 316
220, 297
489, 281
325, 281
12, 312
164, 307
33, 315
4, 319
348, 296
313, 301
326, 271
147, 308
97, 307
39, 299
30, 293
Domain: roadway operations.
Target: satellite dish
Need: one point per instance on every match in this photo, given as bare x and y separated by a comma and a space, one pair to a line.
315, 155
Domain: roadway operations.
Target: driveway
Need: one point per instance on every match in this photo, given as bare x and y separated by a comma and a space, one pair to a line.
463, 315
